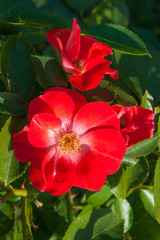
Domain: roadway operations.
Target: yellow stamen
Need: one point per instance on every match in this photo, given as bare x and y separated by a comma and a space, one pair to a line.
69, 143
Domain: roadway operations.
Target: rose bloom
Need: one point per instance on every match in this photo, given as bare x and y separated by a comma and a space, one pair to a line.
137, 123
82, 57
69, 142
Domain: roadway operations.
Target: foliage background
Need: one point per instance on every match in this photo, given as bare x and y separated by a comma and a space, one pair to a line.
128, 206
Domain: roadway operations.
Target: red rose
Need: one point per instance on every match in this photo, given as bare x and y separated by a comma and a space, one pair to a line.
137, 123
69, 142
82, 57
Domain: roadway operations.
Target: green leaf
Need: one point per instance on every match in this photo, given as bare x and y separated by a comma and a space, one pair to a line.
96, 225
110, 11
157, 190
147, 101
3, 119
17, 67
127, 161
17, 234
100, 197
81, 5
147, 198
40, 19
117, 183
142, 148
144, 226
42, 232
20, 106
53, 221
124, 211
6, 28
3, 86
6, 5
6, 218
140, 73
50, 73
122, 97
9, 166
136, 175
86, 209
158, 129
118, 38
123, 182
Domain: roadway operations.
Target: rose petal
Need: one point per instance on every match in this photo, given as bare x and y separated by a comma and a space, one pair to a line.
36, 178
56, 188
73, 44
58, 172
98, 50
89, 173
56, 166
67, 65
90, 79
112, 73
65, 107
79, 100
43, 130
58, 38
95, 114
137, 123
95, 62
143, 123
107, 146
120, 110
25, 152
86, 43
38, 106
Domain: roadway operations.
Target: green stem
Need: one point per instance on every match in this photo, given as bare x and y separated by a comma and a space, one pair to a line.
4, 186
20, 192
147, 187
24, 223
77, 208
69, 206
26, 209
12, 191
6, 197
28, 218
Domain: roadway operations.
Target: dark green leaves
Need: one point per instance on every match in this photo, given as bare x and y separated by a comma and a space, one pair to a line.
6, 28
50, 73
17, 67
142, 148
6, 218
140, 73
96, 225
157, 190
118, 38
124, 181
40, 19
20, 106
136, 175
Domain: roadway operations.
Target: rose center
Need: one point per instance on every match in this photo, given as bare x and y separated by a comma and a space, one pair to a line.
69, 142
78, 64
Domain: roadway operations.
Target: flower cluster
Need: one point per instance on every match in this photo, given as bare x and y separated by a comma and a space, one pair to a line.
69, 142
82, 57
